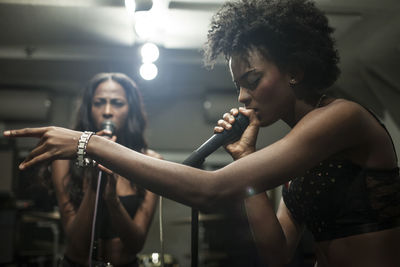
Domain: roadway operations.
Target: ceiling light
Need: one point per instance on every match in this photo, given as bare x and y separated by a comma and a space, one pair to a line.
149, 52
148, 71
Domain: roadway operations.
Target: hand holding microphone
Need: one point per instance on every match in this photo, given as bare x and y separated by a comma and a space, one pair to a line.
246, 144
107, 129
224, 137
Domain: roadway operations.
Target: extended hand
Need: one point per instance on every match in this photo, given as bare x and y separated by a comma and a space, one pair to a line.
55, 143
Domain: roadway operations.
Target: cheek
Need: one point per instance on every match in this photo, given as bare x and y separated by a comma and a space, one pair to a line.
123, 116
269, 100
267, 93
96, 117
272, 90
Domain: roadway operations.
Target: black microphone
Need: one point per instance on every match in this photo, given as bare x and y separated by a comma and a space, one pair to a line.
109, 126
214, 142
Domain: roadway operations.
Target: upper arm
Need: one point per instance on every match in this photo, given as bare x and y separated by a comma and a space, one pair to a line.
144, 215
145, 212
316, 137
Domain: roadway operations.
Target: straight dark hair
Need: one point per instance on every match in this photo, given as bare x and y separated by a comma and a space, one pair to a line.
131, 135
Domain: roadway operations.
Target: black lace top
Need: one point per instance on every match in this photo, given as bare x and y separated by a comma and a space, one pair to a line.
339, 198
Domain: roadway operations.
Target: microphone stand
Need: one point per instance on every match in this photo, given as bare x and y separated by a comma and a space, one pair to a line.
98, 207
197, 158
194, 162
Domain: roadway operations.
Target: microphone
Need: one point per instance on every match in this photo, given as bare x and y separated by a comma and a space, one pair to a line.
214, 142
109, 126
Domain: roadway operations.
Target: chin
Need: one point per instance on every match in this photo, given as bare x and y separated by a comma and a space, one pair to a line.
265, 122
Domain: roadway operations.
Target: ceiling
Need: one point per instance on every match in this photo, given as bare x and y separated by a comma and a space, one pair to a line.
57, 45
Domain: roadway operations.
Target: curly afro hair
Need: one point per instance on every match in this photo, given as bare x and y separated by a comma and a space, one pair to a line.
294, 34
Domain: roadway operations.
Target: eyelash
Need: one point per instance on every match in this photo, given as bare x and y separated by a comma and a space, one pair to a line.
253, 85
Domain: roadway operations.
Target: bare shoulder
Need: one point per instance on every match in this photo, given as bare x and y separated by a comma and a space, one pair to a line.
347, 105
152, 153
348, 128
340, 116
333, 128
343, 110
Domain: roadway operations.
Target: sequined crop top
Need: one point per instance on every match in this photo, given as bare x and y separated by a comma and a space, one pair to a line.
338, 198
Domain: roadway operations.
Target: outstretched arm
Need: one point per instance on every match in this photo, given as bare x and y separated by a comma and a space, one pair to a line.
317, 136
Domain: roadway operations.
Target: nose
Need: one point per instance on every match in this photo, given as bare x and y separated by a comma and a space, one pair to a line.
107, 112
244, 97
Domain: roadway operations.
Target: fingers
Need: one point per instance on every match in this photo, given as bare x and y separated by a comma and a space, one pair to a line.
227, 120
104, 169
26, 132
234, 111
27, 163
105, 133
251, 114
32, 157
246, 112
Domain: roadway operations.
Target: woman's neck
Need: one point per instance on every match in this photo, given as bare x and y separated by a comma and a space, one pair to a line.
302, 108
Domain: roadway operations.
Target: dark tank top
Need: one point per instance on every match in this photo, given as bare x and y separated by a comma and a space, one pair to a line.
131, 203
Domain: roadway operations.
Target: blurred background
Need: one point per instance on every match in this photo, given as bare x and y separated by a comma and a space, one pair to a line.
50, 48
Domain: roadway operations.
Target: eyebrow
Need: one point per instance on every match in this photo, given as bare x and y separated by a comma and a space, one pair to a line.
111, 100
244, 75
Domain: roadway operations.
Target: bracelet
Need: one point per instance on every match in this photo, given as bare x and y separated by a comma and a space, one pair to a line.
81, 159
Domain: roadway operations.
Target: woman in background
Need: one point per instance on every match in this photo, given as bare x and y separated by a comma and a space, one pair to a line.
127, 209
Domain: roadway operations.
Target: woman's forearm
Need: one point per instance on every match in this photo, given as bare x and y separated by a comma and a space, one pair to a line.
132, 234
78, 230
267, 231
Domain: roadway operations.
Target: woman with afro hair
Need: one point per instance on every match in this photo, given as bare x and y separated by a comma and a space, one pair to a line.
338, 164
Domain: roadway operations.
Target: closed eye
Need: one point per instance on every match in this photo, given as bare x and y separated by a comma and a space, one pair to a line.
249, 80
251, 83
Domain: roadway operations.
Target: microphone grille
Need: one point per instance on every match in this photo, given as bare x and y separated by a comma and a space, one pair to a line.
108, 125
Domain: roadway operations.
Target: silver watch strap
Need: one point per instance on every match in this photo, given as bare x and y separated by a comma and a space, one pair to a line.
81, 159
